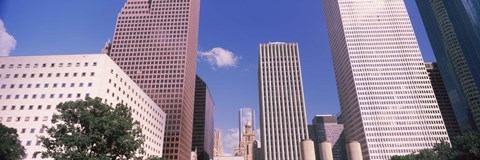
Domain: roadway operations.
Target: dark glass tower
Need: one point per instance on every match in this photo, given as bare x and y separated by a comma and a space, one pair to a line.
442, 99
453, 27
203, 126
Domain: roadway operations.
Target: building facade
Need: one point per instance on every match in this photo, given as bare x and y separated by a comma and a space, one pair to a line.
32, 87
257, 151
282, 105
203, 121
217, 143
247, 147
155, 43
453, 28
443, 100
386, 98
245, 115
326, 128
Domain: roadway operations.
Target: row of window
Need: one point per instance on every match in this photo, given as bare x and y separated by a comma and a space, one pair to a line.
43, 96
46, 85
30, 107
45, 65
26, 119
41, 75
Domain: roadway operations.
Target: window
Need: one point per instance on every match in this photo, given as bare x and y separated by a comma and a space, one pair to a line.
32, 130
80, 85
46, 85
60, 95
69, 95
92, 74
39, 107
29, 143
90, 84
23, 130
86, 64
35, 119
55, 85
84, 74
72, 84
64, 85
30, 107
49, 106
74, 74
18, 119
29, 86
9, 119
27, 119
22, 107
79, 95
4, 107
41, 130
45, 118
13, 108
37, 85
94, 63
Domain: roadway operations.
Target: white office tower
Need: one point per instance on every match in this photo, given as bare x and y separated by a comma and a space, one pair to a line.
282, 108
387, 101
32, 87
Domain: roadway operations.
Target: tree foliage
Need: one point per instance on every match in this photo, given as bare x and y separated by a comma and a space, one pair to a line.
464, 147
90, 129
10, 149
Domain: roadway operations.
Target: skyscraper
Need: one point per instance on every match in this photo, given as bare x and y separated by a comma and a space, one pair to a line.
245, 115
217, 143
326, 128
441, 94
282, 107
386, 98
37, 84
203, 124
155, 43
453, 28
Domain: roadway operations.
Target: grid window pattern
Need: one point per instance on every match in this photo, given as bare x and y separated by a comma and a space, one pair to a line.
282, 107
386, 97
29, 101
155, 43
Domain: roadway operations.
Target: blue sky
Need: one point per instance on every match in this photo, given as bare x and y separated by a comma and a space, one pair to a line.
70, 27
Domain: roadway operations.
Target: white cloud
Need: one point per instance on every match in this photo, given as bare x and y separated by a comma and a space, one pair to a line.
229, 140
220, 58
7, 42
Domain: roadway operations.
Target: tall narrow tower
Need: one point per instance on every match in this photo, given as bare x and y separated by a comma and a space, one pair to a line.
245, 115
282, 107
387, 101
155, 43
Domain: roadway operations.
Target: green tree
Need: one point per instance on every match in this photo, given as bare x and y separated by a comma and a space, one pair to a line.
90, 129
467, 146
10, 149
464, 147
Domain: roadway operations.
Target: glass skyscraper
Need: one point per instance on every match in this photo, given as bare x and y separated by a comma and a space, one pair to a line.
453, 27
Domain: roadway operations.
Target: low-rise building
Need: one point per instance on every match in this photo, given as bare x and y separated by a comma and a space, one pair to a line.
32, 86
